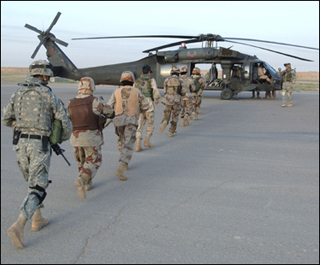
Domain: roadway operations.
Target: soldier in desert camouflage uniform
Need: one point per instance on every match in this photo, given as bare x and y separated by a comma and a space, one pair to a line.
128, 102
187, 99
174, 87
87, 114
200, 84
31, 112
289, 79
148, 87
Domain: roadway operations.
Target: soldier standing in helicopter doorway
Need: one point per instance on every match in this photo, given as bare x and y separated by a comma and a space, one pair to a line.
148, 87
31, 112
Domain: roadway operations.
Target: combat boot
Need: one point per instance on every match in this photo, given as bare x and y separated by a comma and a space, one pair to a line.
120, 171
290, 105
274, 94
38, 221
182, 122
163, 126
16, 231
190, 117
138, 147
80, 186
186, 120
195, 116
88, 185
147, 142
283, 105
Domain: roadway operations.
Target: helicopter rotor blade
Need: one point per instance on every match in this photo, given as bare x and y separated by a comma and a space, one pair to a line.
37, 49
273, 42
139, 36
59, 41
172, 44
33, 28
53, 22
285, 54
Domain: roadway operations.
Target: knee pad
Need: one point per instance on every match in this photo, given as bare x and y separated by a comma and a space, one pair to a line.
38, 188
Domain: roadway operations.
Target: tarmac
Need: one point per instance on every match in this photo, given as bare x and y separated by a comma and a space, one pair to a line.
240, 185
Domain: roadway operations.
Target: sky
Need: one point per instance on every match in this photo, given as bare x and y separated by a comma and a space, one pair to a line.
295, 22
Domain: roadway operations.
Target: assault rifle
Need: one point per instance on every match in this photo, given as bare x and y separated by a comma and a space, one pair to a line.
56, 148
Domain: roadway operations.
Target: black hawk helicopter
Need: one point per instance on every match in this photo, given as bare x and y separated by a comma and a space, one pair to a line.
239, 71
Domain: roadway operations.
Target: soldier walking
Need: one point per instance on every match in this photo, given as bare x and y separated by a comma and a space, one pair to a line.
128, 102
174, 87
31, 112
187, 99
289, 79
88, 115
148, 87
199, 84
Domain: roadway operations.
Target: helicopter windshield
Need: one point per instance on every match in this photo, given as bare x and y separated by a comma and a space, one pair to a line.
270, 69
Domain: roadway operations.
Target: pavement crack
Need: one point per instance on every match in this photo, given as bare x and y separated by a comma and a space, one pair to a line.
116, 220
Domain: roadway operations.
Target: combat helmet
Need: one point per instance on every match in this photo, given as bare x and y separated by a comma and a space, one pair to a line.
127, 76
87, 83
40, 67
196, 71
175, 70
183, 69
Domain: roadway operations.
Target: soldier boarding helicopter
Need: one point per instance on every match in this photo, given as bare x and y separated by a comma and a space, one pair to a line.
239, 71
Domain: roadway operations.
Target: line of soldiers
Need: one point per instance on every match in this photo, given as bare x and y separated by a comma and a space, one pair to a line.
33, 109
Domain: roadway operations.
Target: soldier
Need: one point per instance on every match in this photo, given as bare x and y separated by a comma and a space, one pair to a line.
199, 84
174, 87
186, 105
128, 102
31, 112
289, 79
148, 87
88, 114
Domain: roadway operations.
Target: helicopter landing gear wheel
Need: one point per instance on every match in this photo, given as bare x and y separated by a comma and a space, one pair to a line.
226, 94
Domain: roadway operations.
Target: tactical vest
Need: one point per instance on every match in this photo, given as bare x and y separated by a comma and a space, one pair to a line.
82, 115
32, 108
144, 85
173, 86
288, 76
129, 106
197, 84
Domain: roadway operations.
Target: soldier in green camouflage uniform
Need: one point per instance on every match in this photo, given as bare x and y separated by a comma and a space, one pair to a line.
31, 112
187, 99
289, 79
148, 87
127, 102
174, 87
88, 113
199, 84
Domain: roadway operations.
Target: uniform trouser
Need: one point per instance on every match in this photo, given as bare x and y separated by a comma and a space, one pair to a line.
126, 139
186, 107
143, 118
89, 159
197, 99
34, 164
174, 110
287, 90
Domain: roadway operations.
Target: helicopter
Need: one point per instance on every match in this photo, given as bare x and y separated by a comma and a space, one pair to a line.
239, 71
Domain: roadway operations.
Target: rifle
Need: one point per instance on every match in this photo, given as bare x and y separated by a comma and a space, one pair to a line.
56, 148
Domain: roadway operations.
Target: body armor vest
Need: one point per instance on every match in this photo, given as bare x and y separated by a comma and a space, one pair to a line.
289, 76
173, 86
197, 84
144, 85
129, 106
32, 108
82, 116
